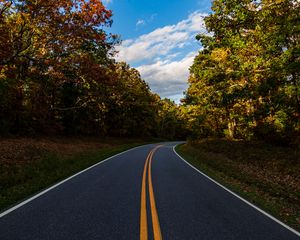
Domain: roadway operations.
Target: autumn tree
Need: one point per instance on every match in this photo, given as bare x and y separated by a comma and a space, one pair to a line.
244, 83
49, 48
58, 75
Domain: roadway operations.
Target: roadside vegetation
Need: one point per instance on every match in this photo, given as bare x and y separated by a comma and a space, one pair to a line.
245, 81
59, 77
265, 175
29, 165
242, 103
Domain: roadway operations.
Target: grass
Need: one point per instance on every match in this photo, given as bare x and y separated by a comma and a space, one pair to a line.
28, 166
265, 175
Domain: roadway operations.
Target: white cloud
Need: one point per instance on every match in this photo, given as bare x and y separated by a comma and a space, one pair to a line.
157, 55
140, 22
143, 22
162, 40
152, 17
158, 71
168, 78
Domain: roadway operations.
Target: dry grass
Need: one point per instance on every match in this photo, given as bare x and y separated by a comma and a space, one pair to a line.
28, 165
25, 150
264, 174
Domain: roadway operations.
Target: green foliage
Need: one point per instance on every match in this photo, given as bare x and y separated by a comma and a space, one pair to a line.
245, 81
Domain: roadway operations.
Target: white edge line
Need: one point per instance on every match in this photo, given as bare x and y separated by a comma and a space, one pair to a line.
61, 182
239, 197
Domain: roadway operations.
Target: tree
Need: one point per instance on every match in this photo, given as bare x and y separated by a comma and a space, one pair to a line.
131, 107
245, 77
47, 48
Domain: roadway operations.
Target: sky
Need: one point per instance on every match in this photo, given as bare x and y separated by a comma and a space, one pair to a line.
158, 39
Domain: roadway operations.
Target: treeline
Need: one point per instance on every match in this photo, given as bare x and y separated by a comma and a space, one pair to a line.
58, 76
244, 83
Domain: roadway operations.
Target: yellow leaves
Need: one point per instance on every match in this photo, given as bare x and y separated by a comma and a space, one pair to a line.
220, 54
42, 51
3, 69
252, 7
21, 18
102, 107
273, 2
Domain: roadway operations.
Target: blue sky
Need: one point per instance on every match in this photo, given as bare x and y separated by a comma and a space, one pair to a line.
159, 39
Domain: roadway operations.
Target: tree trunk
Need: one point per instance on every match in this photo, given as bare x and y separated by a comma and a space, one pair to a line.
231, 128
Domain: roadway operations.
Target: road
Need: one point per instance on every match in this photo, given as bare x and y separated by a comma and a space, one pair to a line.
145, 193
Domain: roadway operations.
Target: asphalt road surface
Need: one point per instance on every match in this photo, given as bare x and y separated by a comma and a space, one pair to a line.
145, 193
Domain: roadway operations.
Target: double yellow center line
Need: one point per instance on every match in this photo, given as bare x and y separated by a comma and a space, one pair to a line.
143, 219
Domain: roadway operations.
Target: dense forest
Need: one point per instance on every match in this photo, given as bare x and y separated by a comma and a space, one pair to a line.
58, 74
244, 83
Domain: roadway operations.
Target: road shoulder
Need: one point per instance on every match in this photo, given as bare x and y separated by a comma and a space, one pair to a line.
192, 159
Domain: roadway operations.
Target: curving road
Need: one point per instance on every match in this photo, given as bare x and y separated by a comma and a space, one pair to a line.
145, 193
